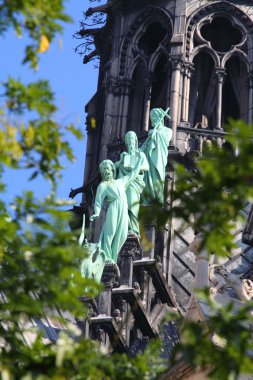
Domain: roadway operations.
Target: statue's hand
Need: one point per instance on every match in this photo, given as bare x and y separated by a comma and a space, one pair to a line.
93, 217
72, 193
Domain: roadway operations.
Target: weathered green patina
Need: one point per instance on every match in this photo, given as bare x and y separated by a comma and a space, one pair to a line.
156, 151
113, 191
124, 167
93, 265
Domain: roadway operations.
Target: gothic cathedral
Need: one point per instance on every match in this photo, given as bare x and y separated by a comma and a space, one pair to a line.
196, 57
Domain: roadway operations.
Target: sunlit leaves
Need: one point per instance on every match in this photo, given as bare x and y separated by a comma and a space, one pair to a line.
40, 274
44, 44
39, 143
11, 150
35, 96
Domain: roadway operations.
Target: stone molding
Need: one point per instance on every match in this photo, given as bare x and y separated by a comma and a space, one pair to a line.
117, 86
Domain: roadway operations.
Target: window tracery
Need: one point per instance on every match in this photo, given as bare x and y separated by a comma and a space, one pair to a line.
222, 91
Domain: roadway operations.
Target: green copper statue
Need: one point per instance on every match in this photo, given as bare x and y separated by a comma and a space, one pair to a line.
115, 227
124, 167
156, 151
93, 265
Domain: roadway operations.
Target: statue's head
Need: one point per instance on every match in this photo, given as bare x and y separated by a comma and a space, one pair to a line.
107, 170
131, 141
157, 116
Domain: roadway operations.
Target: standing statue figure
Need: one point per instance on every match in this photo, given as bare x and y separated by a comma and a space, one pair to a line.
115, 227
156, 151
124, 167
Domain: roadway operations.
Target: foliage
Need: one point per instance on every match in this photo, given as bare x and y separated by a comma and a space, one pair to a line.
224, 345
40, 20
39, 143
40, 259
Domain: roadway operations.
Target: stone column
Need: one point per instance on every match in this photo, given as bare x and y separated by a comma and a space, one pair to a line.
187, 86
109, 278
104, 305
108, 118
124, 91
168, 91
185, 82
149, 250
130, 251
146, 111
180, 94
166, 233
220, 74
250, 81
174, 95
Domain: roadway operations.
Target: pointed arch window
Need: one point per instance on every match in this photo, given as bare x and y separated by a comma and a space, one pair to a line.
136, 99
235, 100
219, 86
160, 84
202, 93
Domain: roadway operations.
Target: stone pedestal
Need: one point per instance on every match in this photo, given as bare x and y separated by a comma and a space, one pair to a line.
110, 278
130, 251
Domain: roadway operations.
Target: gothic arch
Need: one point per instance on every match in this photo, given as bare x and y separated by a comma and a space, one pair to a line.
160, 74
235, 91
150, 15
202, 99
233, 53
208, 50
137, 61
223, 9
135, 115
156, 57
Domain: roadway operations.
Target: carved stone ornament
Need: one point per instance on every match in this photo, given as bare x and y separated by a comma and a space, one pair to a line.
110, 274
219, 7
220, 74
148, 13
118, 86
221, 279
177, 63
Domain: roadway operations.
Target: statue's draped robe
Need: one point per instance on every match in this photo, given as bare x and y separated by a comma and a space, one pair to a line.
115, 227
156, 151
133, 191
93, 265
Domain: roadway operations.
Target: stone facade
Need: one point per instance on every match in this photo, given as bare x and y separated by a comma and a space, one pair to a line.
195, 57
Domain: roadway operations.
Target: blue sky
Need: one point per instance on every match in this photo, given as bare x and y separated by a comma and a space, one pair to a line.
73, 84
